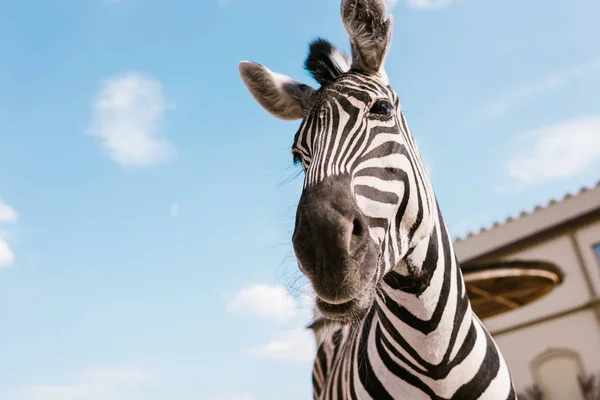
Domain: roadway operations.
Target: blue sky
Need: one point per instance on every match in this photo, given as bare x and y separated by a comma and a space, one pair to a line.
147, 202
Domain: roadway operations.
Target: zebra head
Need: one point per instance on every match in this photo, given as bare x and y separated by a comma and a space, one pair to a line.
366, 204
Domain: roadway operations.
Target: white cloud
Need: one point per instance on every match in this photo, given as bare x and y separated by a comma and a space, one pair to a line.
554, 152
7, 213
264, 301
92, 384
275, 303
127, 116
7, 258
295, 346
423, 4
553, 81
175, 210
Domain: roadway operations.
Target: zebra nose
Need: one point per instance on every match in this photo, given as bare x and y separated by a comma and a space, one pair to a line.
326, 233
330, 238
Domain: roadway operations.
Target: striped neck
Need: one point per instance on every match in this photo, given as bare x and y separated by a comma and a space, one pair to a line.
428, 313
423, 330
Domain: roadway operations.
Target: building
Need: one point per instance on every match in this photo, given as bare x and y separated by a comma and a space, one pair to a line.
550, 336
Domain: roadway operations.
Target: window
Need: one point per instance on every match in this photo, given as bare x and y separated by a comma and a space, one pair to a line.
597, 250
556, 372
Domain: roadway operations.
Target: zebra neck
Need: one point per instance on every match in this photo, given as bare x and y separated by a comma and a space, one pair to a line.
427, 312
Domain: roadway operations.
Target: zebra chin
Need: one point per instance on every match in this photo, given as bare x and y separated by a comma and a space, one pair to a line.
349, 295
350, 311
345, 291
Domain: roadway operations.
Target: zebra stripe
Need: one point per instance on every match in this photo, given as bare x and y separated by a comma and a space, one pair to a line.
420, 340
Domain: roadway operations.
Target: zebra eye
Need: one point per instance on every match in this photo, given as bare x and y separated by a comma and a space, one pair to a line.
382, 107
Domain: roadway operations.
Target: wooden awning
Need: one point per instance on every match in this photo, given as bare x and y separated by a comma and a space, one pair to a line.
500, 287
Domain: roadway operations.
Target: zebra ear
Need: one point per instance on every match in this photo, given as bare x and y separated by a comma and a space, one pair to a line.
369, 31
281, 96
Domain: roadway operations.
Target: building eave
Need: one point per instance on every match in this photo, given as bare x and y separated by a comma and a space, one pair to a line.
528, 225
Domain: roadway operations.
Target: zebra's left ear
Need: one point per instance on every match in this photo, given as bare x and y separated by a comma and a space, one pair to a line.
281, 96
369, 31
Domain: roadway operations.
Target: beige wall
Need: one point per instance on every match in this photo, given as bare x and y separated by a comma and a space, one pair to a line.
576, 332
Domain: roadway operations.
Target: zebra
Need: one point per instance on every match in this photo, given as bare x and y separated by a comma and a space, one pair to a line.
369, 234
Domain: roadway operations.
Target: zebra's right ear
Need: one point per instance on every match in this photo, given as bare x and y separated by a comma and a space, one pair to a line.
281, 96
370, 33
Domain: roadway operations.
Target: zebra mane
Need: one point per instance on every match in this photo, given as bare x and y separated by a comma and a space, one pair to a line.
326, 63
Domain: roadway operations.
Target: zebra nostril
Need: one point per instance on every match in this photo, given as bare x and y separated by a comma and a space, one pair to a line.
357, 239
357, 229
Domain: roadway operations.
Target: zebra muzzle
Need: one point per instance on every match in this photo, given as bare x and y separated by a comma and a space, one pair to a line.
333, 246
